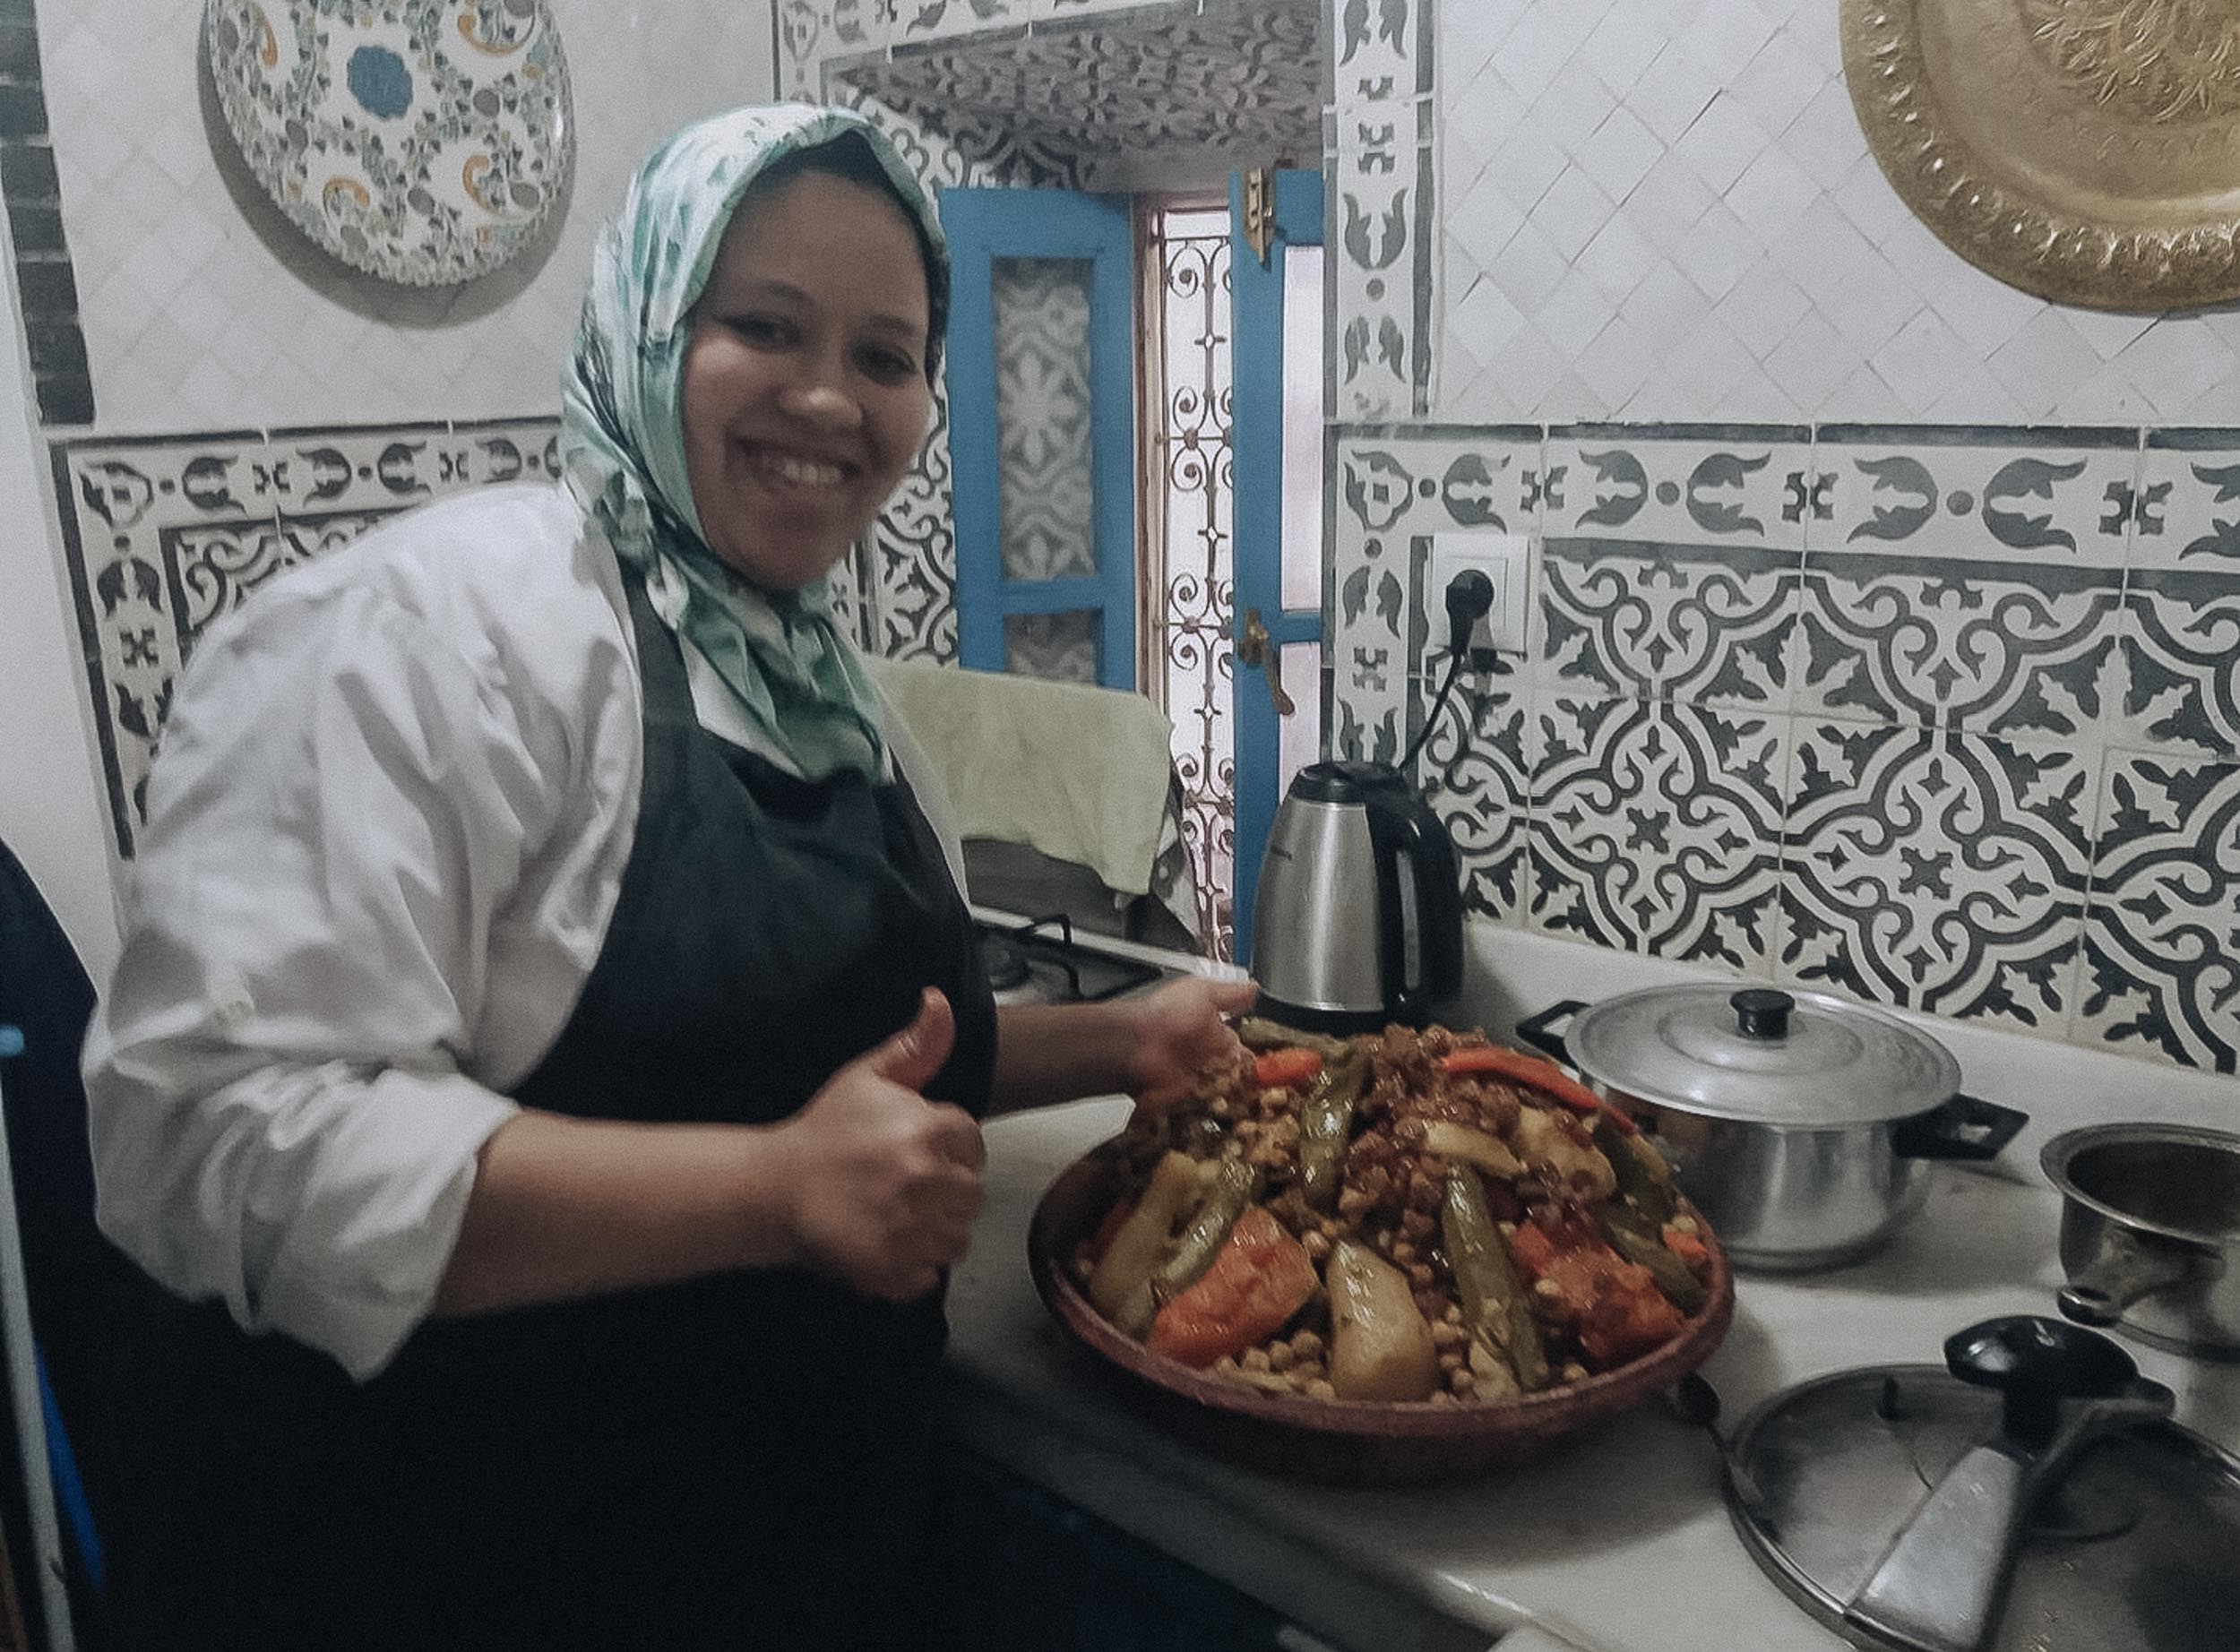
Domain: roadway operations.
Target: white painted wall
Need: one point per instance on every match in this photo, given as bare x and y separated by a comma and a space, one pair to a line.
1666, 210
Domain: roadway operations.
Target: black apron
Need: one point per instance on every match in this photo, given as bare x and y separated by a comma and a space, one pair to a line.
745, 1461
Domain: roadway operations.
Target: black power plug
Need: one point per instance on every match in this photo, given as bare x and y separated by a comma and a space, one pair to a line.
1470, 598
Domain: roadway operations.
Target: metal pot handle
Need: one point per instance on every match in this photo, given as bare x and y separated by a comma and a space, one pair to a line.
1537, 1029
2125, 1269
1963, 1128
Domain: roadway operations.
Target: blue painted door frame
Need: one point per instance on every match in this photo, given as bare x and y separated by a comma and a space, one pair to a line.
983, 226
1257, 437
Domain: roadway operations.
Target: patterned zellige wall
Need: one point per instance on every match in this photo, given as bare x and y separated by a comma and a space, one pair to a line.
1938, 705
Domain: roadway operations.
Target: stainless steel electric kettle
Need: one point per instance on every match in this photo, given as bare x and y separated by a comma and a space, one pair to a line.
1359, 920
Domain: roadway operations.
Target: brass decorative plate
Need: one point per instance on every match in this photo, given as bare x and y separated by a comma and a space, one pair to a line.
2086, 151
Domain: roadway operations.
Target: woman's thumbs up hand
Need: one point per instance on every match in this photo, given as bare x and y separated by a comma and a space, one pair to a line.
882, 1184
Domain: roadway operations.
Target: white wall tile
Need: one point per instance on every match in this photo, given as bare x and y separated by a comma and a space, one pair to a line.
155, 227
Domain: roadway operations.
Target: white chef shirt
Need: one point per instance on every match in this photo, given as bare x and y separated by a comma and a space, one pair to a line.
386, 835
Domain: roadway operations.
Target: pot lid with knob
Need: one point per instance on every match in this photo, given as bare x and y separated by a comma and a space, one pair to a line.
2029, 1494
1787, 1058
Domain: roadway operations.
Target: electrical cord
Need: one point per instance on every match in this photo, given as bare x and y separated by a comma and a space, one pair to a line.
1470, 598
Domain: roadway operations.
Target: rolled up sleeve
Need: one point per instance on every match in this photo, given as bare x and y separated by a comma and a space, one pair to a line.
278, 1081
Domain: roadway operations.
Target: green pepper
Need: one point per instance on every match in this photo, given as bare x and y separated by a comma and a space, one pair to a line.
1495, 1306
1684, 1290
1258, 1033
1326, 1124
1643, 1177
1235, 1184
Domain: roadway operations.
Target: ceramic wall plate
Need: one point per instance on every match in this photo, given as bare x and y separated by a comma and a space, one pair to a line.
420, 140
2086, 151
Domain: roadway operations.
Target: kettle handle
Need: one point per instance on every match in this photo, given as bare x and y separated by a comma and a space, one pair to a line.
1406, 825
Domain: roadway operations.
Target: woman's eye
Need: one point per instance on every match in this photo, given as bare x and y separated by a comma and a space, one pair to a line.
889, 366
769, 331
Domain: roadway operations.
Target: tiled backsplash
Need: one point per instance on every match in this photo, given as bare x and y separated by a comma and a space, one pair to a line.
1942, 717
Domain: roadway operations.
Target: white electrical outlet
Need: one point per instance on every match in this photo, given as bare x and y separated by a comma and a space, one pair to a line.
1505, 559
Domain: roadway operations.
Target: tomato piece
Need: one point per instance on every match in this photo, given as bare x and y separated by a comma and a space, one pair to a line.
1284, 1069
1543, 1076
1612, 1305
1262, 1276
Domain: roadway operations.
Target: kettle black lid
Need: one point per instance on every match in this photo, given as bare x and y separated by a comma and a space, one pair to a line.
1345, 782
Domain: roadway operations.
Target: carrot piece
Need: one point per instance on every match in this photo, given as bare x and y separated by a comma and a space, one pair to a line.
1260, 1278
1543, 1076
1688, 1248
1282, 1069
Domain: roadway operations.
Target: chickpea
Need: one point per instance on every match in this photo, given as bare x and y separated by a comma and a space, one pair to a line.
1401, 1250
1280, 1356
1452, 1361
1464, 1384
1419, 1275
1454, 1315
1573, 1372
1441, 1397
1320, 1389
1417, 1225
1445, 1334
1307, 1346
1255, 1359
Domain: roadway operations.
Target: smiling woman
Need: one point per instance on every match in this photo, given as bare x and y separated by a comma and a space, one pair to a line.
548, 1048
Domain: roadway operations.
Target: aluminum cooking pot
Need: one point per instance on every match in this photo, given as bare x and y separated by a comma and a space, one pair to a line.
1802, 1126
2151, 1230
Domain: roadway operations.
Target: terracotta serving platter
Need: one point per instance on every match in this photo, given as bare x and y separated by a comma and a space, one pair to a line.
1350, 1442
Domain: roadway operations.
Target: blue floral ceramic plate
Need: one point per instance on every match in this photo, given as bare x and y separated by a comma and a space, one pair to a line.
420, 140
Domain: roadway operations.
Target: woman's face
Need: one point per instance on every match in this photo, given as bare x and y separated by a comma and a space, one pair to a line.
805, 395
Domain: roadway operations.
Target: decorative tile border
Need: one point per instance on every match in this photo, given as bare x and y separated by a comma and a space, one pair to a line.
164, 535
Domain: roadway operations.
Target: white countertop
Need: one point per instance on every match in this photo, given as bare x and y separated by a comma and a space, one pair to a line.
1623, 1543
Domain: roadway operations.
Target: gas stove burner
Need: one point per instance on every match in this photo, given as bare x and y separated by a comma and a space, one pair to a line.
1004, 961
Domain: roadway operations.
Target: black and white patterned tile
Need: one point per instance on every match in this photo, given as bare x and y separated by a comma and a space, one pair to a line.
2055, 497
1396, 487
1656, 827
154, 529
1707, 624
1382, 206
1747, 484
2181, 636
1937, 870
1968, 578
164, 535
2160, 975
1475, 772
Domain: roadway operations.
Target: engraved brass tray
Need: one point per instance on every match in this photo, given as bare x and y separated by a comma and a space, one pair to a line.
2086, 151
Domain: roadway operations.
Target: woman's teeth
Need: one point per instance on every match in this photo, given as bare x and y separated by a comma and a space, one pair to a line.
802, 472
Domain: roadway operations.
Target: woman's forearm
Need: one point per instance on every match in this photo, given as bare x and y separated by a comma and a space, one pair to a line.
1151, 1046
566, 1208
1052, 1052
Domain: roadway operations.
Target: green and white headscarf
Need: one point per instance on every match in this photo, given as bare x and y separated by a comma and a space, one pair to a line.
800, 683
